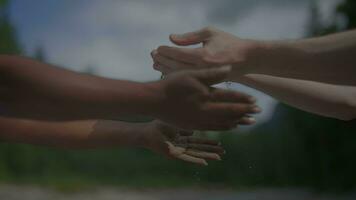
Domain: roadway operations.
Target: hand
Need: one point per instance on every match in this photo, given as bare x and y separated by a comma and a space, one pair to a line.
178, 144
219, 48
189, 103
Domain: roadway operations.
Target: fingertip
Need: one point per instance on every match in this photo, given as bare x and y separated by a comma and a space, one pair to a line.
256, 109
247, 121
205, 163
251, 99
178, 39
173, 37
154, 52
251, 120
155, 66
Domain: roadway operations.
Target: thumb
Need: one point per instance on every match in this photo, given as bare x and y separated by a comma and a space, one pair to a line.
212, 76
191, 38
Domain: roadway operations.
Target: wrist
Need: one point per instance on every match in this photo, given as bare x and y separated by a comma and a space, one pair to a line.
114, 133
153, 97
146, 139
132, 98
267, 57
251, 55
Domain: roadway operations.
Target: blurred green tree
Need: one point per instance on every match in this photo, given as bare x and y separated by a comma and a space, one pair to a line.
8, 39
328, 144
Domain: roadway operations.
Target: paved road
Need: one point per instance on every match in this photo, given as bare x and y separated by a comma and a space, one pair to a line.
8, 192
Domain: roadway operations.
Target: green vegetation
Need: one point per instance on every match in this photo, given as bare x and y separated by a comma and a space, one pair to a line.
293, 149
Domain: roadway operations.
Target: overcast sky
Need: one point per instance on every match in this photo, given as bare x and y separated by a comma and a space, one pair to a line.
116, 36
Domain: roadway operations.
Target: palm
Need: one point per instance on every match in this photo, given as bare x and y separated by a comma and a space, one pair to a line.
219, 48
181, 145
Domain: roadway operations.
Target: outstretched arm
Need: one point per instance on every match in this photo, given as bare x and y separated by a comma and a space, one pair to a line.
319, 98
329, 59
257, 64
155, 136
31, 89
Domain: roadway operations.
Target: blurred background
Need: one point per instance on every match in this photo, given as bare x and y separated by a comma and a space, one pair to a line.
289, 154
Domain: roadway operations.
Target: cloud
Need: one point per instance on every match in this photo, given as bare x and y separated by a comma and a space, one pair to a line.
229, 11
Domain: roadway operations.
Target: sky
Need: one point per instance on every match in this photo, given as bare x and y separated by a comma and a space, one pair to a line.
115, 37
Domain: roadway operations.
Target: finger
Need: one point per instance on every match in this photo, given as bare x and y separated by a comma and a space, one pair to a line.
191, 38
175, 150
204, 155
232, 111
173, 64
162, 68
248, 120
202, 141
197, 140
212, 76
186, 55
231, 96
192, 159
206, 148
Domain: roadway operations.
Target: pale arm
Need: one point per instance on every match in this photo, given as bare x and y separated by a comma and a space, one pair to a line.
329, 59
319, 98
262, 65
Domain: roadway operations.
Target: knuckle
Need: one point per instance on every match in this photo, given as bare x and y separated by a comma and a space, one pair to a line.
156, 67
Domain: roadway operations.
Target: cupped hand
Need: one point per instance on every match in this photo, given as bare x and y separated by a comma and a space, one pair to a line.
218, 48
188, 102
182, 145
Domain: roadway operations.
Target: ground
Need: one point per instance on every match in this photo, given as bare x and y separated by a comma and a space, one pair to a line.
13, 192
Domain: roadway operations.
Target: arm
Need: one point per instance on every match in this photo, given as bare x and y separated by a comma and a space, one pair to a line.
37, 90
155, 136
30, 89
319, 98
250, 59
328, 59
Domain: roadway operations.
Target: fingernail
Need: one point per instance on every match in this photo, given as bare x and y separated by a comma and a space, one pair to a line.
205, 163
218, 157
256, 109
251, 120
177, 36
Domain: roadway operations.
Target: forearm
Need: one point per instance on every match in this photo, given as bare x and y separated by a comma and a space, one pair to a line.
329, 59
74, 134
319, 98
33, 89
